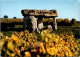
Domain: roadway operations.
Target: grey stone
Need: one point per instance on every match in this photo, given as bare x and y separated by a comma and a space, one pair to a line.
50, 28
40, 26
30, 23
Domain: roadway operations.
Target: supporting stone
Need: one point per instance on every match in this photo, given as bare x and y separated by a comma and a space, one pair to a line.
40, 24
54, 23
30, 23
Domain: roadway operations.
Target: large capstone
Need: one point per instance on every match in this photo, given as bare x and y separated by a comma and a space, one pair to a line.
30, 23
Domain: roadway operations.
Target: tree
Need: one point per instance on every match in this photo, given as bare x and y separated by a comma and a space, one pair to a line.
14, 17
5, 16
59, 20
66, 20
73, 21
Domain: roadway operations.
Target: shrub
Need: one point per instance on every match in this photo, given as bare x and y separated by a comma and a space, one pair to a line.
73, 21
14, 17
66, 20
5, 16
59, 20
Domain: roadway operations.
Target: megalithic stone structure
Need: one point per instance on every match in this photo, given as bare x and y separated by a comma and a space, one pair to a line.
31, 15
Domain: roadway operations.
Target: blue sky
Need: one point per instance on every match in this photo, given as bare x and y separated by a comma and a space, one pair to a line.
65, 8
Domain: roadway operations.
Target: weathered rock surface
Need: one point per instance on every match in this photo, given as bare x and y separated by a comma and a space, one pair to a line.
40, 26
49, 27
41, 13
27, 13
30, 23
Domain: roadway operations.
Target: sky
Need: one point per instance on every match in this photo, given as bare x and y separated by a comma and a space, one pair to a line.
65, 8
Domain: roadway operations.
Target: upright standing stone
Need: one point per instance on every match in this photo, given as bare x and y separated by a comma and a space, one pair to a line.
54, 23
30, 23
40, 24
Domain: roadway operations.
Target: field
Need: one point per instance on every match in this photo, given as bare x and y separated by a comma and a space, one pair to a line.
19, 27
65, 41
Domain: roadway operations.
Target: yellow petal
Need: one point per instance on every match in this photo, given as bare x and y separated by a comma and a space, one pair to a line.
10, 45
27, 54
14, 37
